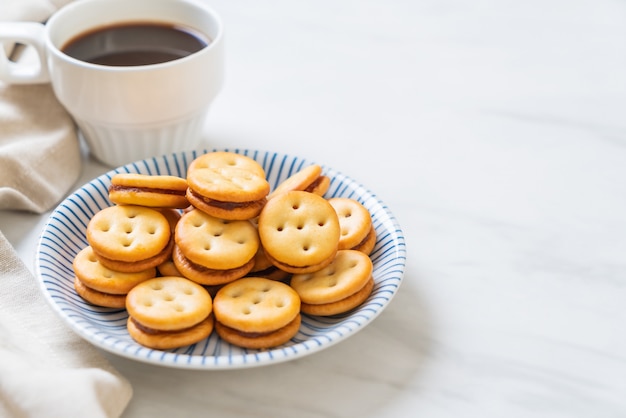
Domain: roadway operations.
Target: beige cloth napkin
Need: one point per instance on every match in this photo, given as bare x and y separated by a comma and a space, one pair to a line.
46, 370
39, 148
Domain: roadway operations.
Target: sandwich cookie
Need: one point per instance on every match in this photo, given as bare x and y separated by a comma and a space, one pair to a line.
158, 191
257, 313
299, 231
214, 251
169, 312
357, 231
309, 179
227, 185
338, 288
130, 238
102, 286
226, 159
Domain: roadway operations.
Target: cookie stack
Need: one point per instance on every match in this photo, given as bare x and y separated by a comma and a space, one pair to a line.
239, 258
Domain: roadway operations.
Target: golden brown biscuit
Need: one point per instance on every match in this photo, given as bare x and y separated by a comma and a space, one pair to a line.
227, 185
158, 191
213, 251
255, 312
227, 159
340, 306
165, 340
168, 312
95, 276
139, 265
369, 243
299, 231
204, 275
342, 285
130, 238
95, 297
354, 220
309, 179
258, 340
216, 243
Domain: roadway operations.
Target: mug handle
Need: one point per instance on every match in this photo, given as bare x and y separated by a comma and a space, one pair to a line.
16, 72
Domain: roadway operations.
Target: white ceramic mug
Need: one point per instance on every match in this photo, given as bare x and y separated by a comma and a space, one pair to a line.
125, 113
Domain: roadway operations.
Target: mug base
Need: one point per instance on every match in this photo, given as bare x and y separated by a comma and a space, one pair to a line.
119, 145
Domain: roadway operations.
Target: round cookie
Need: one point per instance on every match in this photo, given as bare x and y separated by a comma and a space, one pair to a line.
169, 312
204, 275
158, 191
367, 245
259, 341
341, 306
255, 312
139, 265
299, 231
214, 251
354, 220
164, 340
216, 243
130, 238
227, 185
341, 286
226, 159
168, 303
95, 297
309, 179
95, 276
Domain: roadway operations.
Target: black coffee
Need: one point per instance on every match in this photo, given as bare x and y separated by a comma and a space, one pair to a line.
135, 44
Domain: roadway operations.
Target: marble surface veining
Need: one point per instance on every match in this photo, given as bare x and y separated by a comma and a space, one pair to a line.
496, 133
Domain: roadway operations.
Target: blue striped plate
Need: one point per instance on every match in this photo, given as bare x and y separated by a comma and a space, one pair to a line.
64, 235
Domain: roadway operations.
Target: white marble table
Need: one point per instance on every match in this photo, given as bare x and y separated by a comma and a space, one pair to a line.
495, 131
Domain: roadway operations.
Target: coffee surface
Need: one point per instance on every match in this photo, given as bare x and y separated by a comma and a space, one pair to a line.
132, 44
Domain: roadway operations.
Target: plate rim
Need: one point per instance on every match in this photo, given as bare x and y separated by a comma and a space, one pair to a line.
253, 358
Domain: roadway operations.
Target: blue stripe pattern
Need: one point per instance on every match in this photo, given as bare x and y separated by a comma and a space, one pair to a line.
63, 236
